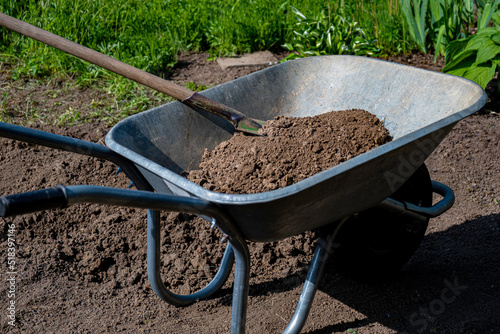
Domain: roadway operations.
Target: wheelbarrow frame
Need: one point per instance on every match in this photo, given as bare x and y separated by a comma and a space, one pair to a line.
60, 197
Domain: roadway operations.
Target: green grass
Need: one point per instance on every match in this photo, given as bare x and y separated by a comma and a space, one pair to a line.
149, 34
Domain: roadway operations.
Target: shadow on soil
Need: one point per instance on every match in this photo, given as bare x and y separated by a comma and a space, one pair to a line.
451, 285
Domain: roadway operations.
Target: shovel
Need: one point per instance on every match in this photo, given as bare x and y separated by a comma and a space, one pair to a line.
240, 121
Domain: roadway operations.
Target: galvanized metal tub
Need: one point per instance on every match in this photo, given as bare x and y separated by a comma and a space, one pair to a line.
419, 108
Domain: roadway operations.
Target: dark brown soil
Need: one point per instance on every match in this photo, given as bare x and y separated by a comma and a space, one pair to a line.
83, 269
289, 150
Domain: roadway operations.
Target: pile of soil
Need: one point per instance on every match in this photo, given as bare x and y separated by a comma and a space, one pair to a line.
83, 269
289, 150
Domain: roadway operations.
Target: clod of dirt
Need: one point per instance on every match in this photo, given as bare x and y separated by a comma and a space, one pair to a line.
292, 149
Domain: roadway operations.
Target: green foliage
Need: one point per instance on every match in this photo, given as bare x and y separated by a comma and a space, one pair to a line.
388, 22
485, 12
450, 20
144, 34
116, 28
476, 57
243, 26
327, 34
415, 16
434, 24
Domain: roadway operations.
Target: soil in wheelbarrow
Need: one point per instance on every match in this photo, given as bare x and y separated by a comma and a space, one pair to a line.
83, 269
289, 150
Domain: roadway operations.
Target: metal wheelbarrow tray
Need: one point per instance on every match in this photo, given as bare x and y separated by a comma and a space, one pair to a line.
418, 107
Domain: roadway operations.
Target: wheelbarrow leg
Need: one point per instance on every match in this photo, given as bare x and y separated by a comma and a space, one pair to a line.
154, 261
322, 252
236, 249
240, 289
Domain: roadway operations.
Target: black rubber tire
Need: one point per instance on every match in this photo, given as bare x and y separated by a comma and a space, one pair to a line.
376, 243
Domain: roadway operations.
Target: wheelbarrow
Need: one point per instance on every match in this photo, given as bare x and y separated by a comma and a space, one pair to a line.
381, 199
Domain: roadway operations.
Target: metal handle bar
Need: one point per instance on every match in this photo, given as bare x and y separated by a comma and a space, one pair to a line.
423, 213
74, 145
60, 196
154, 264
18, 204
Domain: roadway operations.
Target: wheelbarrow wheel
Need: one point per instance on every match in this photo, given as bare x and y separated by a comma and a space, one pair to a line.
376, 243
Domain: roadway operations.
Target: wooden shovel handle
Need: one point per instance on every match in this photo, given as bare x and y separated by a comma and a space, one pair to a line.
240, 121
178, 92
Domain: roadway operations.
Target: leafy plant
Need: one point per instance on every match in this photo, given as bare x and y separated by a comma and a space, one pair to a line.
415, 13
449, 20
476, 57
438, 22
485, 12
327, 34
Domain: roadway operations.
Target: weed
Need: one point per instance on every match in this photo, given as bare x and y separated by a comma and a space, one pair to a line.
195, 87
95, 104
30, 110
5, 96
69, 117
4, 114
